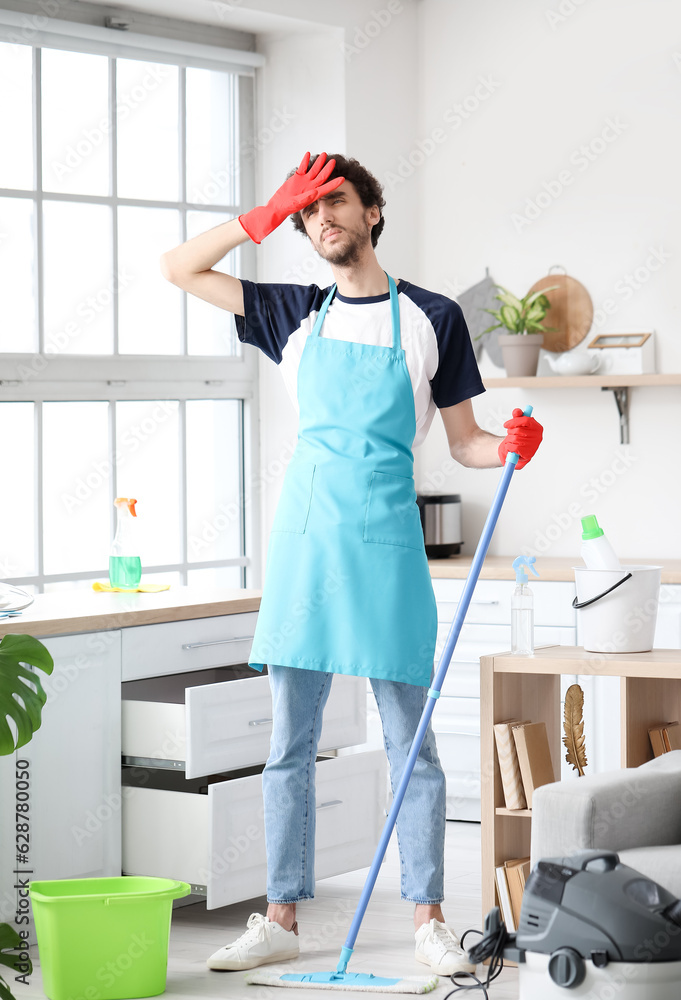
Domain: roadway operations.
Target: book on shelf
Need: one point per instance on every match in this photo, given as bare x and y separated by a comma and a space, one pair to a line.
534, 757
511, 781
504, 899
517, 872
672, 736
664, 737
510, 879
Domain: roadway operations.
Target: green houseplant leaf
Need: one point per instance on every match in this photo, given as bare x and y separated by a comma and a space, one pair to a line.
18, 683
21, 693
10, 939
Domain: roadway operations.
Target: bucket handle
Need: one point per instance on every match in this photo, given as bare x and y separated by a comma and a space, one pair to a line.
584, 604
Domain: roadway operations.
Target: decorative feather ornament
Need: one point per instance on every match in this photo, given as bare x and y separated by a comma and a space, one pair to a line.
574, 728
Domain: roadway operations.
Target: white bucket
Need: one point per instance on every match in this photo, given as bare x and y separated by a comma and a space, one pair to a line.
623, 620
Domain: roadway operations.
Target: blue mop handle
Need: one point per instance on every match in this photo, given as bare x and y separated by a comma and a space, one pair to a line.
433, 694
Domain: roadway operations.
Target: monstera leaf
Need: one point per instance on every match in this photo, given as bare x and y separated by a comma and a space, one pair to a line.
9, 939
21, 694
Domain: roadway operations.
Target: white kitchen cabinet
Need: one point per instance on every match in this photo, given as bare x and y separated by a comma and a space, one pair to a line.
191, 706
195, 716
72, 767
456, 716
74, 762
213, 836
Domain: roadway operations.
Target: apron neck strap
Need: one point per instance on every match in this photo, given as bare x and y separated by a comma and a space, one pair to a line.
322, 312
394, 312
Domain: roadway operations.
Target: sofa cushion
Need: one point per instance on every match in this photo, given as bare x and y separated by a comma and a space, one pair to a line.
630, 808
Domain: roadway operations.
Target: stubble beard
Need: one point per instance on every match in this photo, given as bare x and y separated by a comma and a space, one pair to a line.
349, 254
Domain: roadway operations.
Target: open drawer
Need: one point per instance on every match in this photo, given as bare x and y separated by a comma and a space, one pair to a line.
214, 720
216, 841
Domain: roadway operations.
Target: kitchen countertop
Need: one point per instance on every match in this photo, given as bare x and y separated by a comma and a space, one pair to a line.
549, 568
85, 610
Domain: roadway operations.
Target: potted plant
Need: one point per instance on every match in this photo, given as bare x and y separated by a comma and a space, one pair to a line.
15, 679
523, 320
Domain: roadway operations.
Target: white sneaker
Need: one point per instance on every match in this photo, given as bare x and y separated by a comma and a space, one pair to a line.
265, 941
440, 948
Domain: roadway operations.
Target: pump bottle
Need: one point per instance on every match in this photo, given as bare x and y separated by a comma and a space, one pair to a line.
522, 608
125, 565
596, 551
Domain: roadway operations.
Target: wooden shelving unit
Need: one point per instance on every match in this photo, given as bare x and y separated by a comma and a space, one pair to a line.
619, 385
528, 687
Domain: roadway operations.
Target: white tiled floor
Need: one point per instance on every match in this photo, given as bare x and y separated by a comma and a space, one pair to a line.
385, 945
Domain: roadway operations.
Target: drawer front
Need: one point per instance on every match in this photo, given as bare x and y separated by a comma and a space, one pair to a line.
218, 840
175, 647
225, 726
491, 601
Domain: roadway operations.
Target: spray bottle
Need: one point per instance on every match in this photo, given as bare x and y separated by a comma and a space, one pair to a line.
125, 565
522, 608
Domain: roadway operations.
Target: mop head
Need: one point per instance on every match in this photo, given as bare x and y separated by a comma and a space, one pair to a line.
360, 982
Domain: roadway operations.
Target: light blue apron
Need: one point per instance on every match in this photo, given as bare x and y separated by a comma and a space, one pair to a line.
347, 587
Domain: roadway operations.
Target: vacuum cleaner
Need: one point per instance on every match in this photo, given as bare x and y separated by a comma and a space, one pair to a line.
590, 927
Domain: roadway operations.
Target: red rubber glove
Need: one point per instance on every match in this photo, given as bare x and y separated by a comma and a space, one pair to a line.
297, 191
524, 437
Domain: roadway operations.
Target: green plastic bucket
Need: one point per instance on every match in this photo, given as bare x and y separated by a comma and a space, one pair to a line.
104, 938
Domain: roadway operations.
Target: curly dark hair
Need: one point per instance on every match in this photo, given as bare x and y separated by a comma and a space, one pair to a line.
368, 188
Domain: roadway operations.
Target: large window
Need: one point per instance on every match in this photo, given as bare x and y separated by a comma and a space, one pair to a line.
112, 381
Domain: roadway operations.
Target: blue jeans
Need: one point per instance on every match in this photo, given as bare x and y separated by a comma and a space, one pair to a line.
298, 699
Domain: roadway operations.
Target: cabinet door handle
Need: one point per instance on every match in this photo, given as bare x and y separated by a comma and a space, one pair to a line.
259, 722
215, 642
484, 602
331, 802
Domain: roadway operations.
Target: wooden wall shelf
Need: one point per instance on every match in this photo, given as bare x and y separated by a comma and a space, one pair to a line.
528, 687
619, 385
580, 381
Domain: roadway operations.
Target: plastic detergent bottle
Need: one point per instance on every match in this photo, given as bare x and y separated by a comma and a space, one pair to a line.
596, 551
125, 565
522, 608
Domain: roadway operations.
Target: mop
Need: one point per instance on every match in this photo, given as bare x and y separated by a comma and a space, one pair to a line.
341, 979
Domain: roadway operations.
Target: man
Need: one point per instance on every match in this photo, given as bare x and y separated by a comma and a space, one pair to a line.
367, 362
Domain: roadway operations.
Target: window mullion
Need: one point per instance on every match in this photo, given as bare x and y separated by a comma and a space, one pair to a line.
182, 444
182, 174
113, 189
38, 178
113, 448
38, 460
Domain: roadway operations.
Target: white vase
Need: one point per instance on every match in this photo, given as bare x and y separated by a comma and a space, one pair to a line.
520, 352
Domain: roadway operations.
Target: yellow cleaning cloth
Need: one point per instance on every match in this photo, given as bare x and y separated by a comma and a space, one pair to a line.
145, 588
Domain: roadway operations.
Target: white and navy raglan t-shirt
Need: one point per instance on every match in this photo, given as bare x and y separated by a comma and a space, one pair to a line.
439, 354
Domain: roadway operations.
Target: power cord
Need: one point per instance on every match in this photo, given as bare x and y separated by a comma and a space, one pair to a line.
495, 937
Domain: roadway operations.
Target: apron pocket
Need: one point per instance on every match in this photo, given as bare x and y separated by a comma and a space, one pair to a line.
296, 495
392, 514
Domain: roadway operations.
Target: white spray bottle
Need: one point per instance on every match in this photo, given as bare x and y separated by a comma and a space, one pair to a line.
522, 608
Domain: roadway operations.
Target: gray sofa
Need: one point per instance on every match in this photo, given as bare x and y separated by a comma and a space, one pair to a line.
635, 811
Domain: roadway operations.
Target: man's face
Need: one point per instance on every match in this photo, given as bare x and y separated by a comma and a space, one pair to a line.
339, 225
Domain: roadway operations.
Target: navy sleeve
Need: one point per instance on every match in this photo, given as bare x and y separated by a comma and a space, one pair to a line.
457, 376
272, 312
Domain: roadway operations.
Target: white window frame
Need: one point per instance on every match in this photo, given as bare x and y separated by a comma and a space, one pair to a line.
80, 377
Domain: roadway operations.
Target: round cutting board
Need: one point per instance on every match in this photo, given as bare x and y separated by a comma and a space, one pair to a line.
571, 312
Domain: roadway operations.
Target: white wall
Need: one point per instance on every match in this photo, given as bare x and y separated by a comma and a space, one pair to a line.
551, 88
555, 84
337, 85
